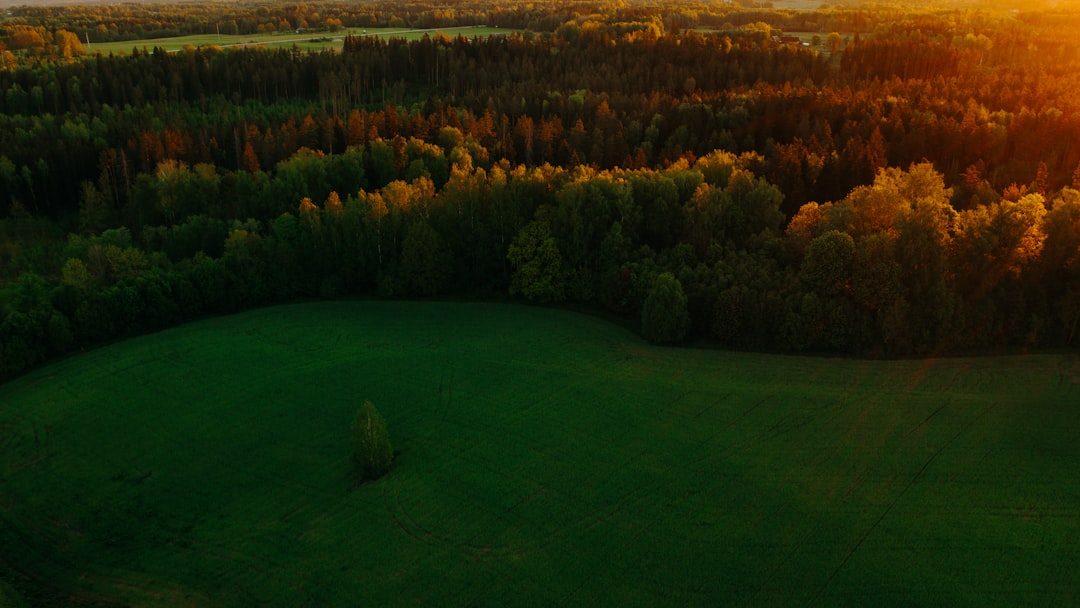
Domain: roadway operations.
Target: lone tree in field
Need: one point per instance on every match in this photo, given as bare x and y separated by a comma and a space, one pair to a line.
371, 451
664, 316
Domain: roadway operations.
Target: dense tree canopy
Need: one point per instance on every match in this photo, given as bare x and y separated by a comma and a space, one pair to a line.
664, 318
905, 182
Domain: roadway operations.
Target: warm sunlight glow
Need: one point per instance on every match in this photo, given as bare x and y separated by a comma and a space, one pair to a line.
503, 302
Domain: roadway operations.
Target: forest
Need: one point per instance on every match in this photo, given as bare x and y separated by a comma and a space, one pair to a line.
870, 180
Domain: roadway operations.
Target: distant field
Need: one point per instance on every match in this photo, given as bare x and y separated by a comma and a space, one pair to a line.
544, 458
307, 41
805, 5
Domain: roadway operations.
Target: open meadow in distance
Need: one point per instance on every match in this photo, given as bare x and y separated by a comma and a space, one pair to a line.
543, 458
304, 40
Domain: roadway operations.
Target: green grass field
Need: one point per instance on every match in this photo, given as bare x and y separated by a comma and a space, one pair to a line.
544, 458
304, 40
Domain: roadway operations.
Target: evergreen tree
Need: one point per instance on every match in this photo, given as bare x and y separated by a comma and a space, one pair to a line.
371, 450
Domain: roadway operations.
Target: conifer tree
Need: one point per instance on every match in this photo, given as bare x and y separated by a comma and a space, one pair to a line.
371, 450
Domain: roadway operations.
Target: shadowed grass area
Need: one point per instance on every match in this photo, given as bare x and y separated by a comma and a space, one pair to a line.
543, 457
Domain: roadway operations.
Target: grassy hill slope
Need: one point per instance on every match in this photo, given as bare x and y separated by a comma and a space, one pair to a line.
543, 458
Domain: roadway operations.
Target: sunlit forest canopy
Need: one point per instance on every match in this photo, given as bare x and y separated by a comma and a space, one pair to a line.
880, 179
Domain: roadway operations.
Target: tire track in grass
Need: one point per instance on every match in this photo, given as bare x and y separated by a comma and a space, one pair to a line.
793, 548
877, 521
601, 513
393, 506
725, 430
767, 432
15, 441
787, 551
31, 384
417, 531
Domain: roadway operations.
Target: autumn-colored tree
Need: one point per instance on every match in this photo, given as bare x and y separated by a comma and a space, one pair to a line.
250, 160
333, 206
355, 128
26, 38
67, 44
834, 41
